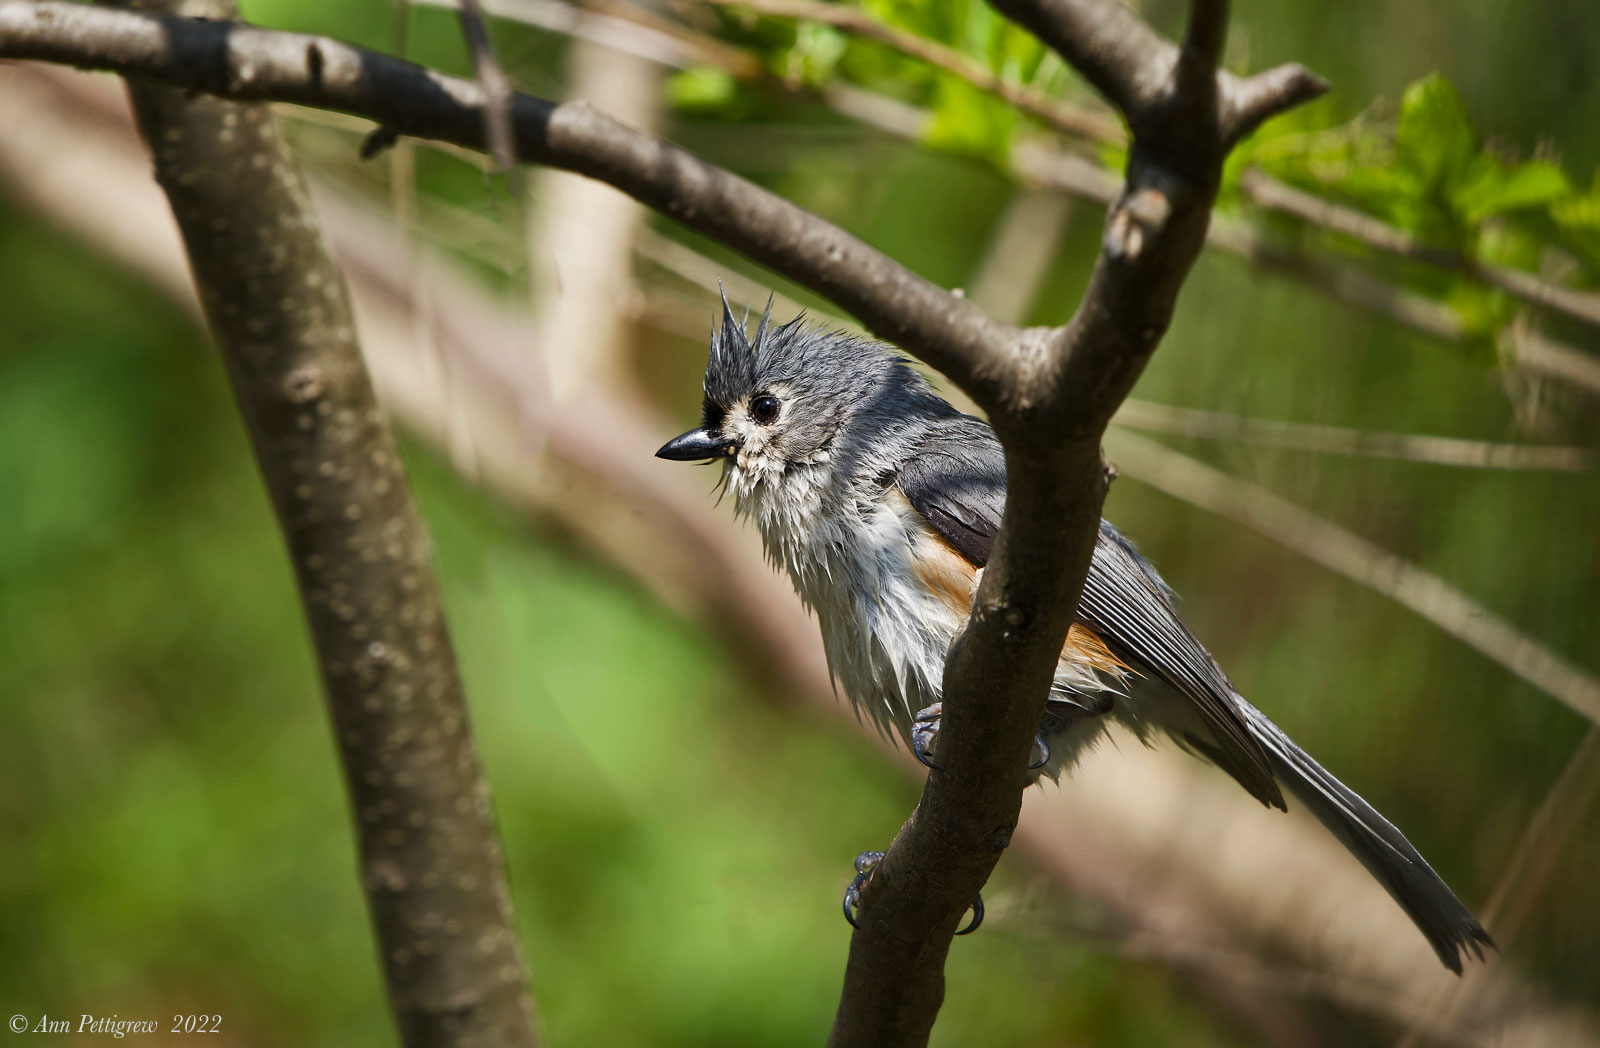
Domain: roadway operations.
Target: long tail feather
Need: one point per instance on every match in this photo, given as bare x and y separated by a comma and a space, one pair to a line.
1448, 925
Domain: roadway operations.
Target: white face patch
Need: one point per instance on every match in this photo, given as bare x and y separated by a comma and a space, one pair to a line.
762, 454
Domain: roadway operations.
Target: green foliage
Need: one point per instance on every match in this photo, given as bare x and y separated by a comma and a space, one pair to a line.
969, 121
966, 120
1428, 171
1432, 175
702, 88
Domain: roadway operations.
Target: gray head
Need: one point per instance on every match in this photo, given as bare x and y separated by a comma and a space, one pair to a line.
796, 395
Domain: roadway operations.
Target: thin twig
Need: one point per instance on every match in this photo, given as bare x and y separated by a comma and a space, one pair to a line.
1533, 862
496, 87
1341, 440
1272, 194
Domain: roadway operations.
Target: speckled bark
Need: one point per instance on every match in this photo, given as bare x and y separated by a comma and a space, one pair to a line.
431, 865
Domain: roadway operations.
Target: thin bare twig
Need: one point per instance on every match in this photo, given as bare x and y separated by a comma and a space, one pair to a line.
1272, 194
1533, 862
496, 87
1341, 440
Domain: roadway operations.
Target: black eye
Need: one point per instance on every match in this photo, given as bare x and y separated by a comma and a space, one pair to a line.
764, 408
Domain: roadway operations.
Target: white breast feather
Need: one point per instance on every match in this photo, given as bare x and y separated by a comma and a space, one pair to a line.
849, 554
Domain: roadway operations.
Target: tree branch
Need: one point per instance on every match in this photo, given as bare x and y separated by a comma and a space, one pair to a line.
243, 62
1060, 392
430, 858
496, 87
1271, 194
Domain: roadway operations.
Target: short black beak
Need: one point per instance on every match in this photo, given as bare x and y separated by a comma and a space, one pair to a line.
694, 446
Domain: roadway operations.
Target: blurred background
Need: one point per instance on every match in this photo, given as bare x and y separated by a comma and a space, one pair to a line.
1365, 455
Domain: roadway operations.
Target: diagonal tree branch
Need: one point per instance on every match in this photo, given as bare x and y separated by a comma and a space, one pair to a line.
430, 857
1371, 232
243, 62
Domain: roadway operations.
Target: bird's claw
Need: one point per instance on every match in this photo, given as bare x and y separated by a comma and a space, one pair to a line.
866, 862
1044, 752
924, 730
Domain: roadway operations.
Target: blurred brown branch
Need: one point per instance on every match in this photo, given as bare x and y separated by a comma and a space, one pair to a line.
1341, 440
430, 854
1272, 194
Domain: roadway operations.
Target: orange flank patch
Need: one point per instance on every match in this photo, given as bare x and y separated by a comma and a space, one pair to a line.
945, 572
1085, 648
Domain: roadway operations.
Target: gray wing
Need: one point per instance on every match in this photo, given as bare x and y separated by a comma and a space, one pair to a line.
958, 483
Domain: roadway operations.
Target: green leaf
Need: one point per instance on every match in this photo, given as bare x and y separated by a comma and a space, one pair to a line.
702, 87
966, 120
1489, 188
1577, 220
818, 48
1434, 135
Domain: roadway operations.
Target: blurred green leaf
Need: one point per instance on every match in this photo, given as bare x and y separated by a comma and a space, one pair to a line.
969, 121
1487, 187
816, 52
702, 87
1434, 136
1577, 222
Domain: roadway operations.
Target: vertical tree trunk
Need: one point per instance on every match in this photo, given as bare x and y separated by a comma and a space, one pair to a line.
431, 863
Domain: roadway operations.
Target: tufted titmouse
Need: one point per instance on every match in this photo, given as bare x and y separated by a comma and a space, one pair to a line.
882, 502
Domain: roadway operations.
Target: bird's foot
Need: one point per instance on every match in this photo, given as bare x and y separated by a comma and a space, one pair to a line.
868, 861
925, 732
